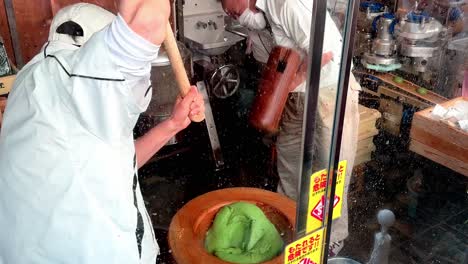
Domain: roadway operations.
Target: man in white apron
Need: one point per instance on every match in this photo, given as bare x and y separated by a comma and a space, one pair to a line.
69, 190
290, 23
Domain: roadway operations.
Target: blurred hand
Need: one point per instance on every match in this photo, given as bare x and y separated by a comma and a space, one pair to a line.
327, 57
185, 109
301, 75
148, 18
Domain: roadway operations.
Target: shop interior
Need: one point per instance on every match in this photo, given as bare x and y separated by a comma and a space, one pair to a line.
408, 56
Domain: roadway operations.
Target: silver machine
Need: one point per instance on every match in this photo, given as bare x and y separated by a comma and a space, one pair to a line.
383, 53
202, 41
421, 40
412, 43
408, 37
204, 32
367, 13
202, 35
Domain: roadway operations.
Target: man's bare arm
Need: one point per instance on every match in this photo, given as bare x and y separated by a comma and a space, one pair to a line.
148, 18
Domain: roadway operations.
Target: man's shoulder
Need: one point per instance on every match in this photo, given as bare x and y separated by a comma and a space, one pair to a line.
91, 61
94, 59
285, 10
298, 5
40, 67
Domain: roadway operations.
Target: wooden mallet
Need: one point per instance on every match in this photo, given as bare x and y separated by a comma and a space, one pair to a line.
178, 68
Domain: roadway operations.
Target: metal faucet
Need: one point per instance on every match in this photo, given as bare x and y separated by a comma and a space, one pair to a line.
382, 241
212, 23
201, 24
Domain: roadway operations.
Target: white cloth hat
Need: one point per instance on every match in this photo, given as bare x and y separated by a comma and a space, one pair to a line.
91, 18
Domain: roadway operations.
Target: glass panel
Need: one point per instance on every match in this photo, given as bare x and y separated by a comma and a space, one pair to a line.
283, 104
320, 121
407, 197
336, 114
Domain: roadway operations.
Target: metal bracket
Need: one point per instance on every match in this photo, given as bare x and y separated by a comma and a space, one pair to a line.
211, 127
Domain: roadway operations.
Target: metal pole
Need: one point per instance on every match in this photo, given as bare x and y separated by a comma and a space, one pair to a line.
342, 93
14, 33
179, 19
319, 9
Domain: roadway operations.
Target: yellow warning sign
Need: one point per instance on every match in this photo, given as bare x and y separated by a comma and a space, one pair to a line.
317, 197
307, 250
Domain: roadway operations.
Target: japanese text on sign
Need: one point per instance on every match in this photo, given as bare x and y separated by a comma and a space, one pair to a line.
307, 250
317, 197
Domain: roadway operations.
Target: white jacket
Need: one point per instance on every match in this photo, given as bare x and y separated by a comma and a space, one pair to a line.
69, 189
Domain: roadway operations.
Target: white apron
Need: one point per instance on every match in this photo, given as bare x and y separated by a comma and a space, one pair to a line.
69, 189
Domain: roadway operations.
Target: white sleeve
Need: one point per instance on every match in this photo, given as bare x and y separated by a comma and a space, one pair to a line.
296, 20
130, 52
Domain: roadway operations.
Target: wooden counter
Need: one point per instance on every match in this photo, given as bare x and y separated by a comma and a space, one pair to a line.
367, 131
439, 140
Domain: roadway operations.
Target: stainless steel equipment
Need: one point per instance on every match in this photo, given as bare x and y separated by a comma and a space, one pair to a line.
384, 44
382, 56
204, 28
201, 27
368, 11
206, 35
421, 39
165, 90
225, 81
211, 127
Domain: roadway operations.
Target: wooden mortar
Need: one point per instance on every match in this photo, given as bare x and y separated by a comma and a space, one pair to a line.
189, 226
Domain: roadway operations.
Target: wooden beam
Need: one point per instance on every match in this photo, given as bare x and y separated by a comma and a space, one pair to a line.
449, 148
439, 141
439, 157
367, 120
367, 114
442, 130
406, 87
392, 115
411, 88
402, 97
